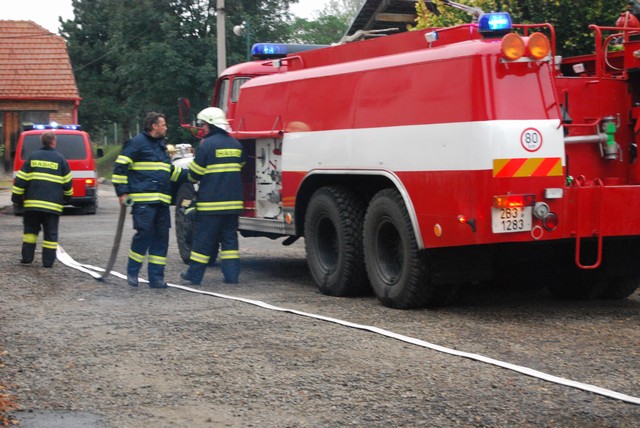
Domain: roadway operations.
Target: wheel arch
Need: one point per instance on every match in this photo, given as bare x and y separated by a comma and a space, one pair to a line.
366, 182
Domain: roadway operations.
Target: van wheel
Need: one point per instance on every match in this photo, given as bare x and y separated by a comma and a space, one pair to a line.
396, 269
333, 241
90, 208
184, 218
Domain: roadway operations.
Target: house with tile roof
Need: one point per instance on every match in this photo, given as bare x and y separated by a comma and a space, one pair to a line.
37, 84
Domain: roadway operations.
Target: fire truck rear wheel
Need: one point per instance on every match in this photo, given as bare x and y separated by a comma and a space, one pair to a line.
333, 241
621, 288
578, 284
396, 269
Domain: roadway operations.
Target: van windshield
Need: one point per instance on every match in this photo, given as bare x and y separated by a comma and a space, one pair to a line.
71, 146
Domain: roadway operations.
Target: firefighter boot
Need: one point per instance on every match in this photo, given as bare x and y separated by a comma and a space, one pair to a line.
230, 270
28, 252
132, 273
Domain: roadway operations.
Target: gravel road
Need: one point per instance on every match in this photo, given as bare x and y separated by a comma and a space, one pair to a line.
81, 353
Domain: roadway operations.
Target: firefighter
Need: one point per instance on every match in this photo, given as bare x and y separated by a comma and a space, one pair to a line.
43, 185
217, 166
143, 174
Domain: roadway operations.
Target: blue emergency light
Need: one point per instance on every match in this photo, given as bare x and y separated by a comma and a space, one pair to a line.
496, 23
55, 125
280, 50
269, 50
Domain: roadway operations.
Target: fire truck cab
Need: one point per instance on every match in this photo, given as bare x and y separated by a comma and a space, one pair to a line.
417, 162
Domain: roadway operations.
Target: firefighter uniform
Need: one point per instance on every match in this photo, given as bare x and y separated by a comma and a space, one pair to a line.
143, 171
42, 186
217, 167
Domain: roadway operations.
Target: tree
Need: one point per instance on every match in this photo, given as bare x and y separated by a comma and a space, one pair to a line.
570, 19
133, 57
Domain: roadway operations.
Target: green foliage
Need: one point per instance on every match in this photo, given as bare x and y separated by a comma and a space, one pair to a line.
130, 58
570, 19
106, 163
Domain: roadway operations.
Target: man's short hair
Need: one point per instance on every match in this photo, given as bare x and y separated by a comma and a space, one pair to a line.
152, 117
47, 139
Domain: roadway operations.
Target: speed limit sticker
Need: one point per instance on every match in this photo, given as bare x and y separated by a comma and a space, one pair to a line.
531, 139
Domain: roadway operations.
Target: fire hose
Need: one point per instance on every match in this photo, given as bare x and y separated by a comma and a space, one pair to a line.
117, 238
94, 271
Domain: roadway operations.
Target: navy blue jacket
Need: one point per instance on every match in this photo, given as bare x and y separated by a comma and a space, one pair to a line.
144, 171
43, 182
217, 166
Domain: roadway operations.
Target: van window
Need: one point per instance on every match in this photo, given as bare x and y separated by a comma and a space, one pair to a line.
71, 146
223, 93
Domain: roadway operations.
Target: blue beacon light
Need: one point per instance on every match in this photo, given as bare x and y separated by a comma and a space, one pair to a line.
494, 23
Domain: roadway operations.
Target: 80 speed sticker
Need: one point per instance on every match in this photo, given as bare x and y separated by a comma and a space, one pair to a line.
531, 139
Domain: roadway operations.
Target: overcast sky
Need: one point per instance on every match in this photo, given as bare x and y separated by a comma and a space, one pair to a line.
46, 12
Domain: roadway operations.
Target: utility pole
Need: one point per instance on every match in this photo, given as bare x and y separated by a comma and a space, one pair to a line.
221, 37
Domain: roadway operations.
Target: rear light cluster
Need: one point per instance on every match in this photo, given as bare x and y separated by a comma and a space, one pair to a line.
536, 46
89, 182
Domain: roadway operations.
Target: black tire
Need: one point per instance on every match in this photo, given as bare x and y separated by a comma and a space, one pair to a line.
397, 272
333, 241
578, 284
621, 287
184, 218
90, 208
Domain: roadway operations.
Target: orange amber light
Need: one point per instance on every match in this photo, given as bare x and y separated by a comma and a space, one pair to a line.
539, 46
513, 46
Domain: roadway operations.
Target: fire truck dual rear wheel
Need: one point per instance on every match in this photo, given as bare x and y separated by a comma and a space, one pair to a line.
396, 269
333, 241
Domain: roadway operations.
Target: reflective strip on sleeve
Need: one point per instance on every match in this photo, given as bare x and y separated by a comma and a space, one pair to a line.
17, 190
196, 168
119, 179
124, 160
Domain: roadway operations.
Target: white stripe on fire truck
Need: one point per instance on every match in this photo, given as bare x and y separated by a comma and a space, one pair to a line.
463, 146
84, 174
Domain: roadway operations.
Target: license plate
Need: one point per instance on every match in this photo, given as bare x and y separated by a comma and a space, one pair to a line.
509, 220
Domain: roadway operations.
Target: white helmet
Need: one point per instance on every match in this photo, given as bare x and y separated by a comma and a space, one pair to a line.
214, 116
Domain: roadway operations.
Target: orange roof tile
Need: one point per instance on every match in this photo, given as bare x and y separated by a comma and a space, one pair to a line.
34, 63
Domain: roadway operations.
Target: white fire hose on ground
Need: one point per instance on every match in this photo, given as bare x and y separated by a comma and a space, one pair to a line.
97, 272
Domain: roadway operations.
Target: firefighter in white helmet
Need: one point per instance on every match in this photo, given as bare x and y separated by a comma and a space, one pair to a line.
217, 165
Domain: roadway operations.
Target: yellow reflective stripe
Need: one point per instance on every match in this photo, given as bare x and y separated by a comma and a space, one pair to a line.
125, 160
150, 166
43, 176
50, 245
228, 153
193, 166
29, 238
17, 190
223, 167
67, 178
23, 175
31, 203
119, 179
150, 197
135, 256
229, 254
175, 175
219, 206
157, 260
191, 179
200, 258
188, 210
68, 192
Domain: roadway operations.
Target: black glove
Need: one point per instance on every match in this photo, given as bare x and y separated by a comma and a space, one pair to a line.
17, 199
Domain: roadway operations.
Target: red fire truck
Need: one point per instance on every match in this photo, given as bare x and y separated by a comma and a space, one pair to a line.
417, 162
